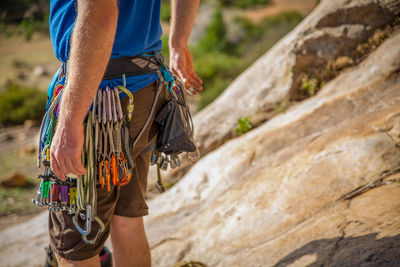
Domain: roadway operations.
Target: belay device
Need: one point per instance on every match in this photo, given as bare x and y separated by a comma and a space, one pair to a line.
106, 153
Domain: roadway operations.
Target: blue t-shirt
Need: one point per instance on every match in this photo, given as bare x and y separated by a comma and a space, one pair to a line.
138, 31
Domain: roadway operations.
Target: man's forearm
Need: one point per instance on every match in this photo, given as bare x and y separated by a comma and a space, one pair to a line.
183, 15
91, 45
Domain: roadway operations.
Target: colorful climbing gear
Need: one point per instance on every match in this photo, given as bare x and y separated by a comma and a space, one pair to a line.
106, 152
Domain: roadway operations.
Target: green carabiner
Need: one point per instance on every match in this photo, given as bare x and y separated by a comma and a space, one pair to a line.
45, 189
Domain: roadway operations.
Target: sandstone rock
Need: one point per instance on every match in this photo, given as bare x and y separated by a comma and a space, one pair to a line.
334, 29
333, 37
315, 185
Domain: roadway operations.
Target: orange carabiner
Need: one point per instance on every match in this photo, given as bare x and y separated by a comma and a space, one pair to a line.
108, 178
127, 176
102, 180
125, 179
114, 170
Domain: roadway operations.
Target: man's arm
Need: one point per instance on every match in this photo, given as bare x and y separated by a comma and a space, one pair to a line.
183, 15
91, 45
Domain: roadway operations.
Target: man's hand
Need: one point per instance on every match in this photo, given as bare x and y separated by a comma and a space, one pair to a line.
66, 150
182, 65
182, 20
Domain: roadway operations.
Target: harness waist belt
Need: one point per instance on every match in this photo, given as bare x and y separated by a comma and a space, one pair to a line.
131, 66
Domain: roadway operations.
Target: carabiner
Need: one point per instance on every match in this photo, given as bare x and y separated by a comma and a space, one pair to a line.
88, 224
127, 175
102, 180
108, 176
130, 106
102, 227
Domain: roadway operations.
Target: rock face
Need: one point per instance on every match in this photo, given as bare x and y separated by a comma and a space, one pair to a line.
318, 184
337, 30
315, 185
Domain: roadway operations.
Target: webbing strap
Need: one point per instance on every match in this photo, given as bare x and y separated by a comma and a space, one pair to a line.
151, 115
131, 66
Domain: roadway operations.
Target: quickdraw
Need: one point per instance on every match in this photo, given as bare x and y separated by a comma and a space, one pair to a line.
105, 153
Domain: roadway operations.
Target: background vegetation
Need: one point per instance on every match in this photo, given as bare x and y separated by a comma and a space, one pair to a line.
218, 60
18, 104
24, 17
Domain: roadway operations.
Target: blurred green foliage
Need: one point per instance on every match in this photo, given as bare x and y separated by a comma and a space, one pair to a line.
15, 11
244, 3
215, 35
24, 17
18, 104
244, 125
218, 61
165, 13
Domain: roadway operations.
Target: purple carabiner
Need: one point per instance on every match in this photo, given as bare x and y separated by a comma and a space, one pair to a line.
64, 193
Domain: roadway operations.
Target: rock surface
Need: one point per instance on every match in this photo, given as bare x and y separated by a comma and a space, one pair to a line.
315, 185
318, 184
334, 29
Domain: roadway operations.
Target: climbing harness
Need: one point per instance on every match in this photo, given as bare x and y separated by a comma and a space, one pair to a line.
106, 152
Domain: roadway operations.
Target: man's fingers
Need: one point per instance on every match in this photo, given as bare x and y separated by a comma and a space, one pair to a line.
55, 167
74, 166
184, 77
78, 166
63, 170
196, 85
197, 78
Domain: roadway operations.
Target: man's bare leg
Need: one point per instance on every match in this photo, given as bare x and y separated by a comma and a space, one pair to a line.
92, 262
129, 241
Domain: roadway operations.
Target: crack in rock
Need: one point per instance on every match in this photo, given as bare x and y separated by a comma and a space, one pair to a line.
377, 183
166, 240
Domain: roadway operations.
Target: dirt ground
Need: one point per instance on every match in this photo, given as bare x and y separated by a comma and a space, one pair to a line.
17, 154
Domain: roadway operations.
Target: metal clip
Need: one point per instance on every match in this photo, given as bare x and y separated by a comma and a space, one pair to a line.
88, 223
45, 189
64, 197
164, 164
73, 194
102, 227
55, 195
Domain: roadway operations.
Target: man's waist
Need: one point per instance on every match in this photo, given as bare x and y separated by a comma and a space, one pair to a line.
130, 65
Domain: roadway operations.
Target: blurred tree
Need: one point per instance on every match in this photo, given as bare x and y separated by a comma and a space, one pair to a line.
15, 11
214, 38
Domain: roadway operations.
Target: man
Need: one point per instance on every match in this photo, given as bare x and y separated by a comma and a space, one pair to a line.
87, 33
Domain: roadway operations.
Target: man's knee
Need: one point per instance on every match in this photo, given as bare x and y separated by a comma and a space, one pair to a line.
91, 262
129, 242
120, 224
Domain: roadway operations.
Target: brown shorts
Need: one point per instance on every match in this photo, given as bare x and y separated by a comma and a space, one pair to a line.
127, 201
